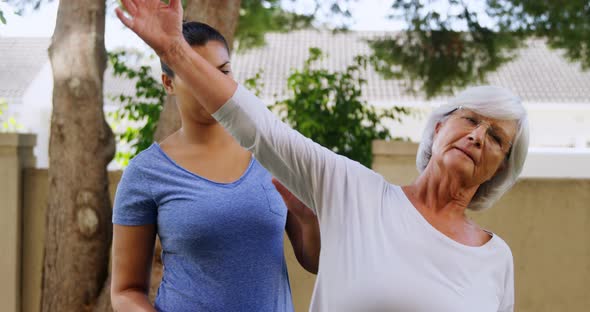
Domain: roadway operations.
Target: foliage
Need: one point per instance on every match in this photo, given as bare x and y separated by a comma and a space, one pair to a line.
140, 112
22, 6
565, 24
9, 123
433, 57
260, 17
441, 51
254, 84
327, 108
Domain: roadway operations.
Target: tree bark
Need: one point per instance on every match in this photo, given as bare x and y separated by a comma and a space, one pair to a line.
78, 224
222, 15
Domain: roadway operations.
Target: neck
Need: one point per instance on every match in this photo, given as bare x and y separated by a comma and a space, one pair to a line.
212, 134
441, 193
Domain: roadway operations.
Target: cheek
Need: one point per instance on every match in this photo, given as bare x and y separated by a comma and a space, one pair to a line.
493, 164
440, 140
435, 147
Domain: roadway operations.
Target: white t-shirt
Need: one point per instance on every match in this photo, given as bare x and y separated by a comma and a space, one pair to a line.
378, 252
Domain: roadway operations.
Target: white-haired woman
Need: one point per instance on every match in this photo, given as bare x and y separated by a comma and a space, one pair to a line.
384, 247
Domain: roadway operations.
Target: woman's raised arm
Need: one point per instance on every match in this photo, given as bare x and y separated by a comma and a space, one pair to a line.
311, 172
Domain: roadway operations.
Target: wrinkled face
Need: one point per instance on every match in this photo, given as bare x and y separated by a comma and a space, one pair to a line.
472, 146
217, 55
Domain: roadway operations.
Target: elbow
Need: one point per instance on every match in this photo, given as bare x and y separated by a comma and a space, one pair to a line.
309, 262
311, 268
129, 299
117, 300
313, 261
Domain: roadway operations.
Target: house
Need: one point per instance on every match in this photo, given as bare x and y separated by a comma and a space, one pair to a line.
555, 92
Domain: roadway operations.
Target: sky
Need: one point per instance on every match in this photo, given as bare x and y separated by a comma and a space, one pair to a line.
367, 14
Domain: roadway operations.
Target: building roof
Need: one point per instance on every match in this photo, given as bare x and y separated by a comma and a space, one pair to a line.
537, 74
21, 59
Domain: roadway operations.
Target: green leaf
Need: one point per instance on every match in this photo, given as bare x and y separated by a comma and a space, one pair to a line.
328, 108
135, 122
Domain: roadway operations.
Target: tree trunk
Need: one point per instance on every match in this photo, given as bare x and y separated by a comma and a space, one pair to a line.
223, 15
78, 224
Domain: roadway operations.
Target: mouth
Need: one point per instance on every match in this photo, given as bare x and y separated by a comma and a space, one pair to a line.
466, 153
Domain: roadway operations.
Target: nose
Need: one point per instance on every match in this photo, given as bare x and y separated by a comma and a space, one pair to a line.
477, 136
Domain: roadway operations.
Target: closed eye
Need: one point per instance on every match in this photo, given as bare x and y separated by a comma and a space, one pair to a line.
224, 68
496, 138
471, 120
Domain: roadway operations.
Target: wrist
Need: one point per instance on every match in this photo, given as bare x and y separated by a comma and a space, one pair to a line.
174, 52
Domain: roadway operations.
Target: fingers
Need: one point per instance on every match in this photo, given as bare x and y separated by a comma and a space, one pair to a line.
130, 6
124, 19
175, 4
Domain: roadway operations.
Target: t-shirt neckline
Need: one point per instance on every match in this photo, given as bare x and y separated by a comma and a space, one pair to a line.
414, 211
228, 184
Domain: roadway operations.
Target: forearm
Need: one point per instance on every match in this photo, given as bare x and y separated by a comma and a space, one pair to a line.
134, 300
305, 239
210, 87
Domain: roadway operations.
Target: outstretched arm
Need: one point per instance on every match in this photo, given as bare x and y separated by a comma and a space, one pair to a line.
315, 175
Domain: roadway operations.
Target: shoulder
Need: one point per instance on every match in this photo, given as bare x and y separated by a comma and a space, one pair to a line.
142, 163
147, 160
145, 157
502, 249
501, 244
258, 173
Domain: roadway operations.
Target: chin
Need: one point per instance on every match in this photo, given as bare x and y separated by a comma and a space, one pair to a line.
459, 167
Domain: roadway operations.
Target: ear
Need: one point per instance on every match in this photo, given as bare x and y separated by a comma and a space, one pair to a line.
168, 84
437, 128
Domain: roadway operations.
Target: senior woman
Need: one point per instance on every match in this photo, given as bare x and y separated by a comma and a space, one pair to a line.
384, 247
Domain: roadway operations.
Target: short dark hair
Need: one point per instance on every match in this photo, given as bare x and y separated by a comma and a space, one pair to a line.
197, 34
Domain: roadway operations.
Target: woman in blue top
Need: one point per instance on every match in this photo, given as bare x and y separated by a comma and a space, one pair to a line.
215, 209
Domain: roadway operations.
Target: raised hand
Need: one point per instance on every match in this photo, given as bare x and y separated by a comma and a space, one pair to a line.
157, 23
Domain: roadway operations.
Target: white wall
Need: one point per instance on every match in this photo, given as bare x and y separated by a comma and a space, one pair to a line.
35, 112
560, 125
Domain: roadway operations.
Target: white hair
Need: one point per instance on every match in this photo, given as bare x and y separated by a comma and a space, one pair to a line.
493, 102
